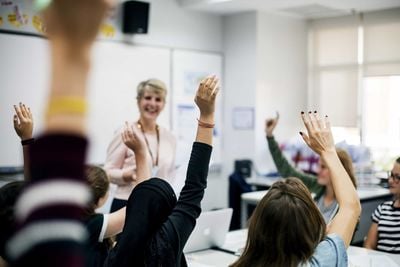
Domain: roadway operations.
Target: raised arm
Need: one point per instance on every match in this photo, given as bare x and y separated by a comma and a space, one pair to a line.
319, 138
23, 126
50, 210
114, 164
283, 166
132, 140
182, 220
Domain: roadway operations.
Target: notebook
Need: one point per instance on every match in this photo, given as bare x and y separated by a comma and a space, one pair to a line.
210, 230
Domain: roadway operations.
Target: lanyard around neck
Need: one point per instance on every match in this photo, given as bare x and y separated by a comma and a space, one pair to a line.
154, 162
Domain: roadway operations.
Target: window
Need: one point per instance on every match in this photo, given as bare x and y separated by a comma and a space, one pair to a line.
381, 117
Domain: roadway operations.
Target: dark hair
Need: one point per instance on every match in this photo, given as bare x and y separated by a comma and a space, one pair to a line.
398, 160
347, 163
285, 227
9, 194
98, 182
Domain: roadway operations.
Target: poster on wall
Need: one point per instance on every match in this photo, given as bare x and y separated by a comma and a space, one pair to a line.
24, 17
243, 118
189, 68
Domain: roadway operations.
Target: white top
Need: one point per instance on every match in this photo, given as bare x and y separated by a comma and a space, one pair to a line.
120, 158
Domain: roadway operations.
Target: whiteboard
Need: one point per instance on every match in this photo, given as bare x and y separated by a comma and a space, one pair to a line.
116, 70
188, 68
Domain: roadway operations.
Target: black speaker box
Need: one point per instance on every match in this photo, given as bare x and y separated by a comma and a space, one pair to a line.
135, 17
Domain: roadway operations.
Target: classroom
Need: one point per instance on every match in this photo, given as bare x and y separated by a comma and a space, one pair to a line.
273, 60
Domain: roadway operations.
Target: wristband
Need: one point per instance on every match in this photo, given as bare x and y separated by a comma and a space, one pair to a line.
205, 124
27, 141
67, 105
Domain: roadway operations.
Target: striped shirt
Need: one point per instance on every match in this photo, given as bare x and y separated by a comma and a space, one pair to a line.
388, 219
50, 210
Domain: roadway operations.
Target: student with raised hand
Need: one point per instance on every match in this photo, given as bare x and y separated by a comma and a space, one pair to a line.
23, 126
50, 210
320, 185
286, 228
157, 226
383, 234
102, 227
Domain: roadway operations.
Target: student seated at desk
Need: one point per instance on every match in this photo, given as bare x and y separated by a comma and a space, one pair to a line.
287, 229
320, 185
384, 233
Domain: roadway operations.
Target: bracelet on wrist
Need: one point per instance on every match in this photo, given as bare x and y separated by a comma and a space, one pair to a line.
27, 141
205, 124
67, 105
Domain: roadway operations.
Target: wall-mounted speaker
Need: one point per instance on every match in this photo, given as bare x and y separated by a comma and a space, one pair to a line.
135, 17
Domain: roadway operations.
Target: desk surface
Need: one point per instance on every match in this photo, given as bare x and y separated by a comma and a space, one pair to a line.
365, 193
237, 239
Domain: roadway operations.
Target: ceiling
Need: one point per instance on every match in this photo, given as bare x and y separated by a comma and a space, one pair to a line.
299, 8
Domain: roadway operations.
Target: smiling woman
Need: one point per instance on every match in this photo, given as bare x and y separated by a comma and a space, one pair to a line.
160, 144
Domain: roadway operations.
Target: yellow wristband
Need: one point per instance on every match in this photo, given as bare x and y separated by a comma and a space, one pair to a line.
67, 105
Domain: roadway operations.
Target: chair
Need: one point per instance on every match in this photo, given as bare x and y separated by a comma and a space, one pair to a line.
237, 186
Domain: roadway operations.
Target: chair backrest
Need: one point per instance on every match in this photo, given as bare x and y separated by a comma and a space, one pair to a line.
244, 167
237, 186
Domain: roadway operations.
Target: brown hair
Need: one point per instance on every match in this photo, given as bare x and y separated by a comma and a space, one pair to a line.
153, 85
285, 227
398, 160
347, 163
98, 183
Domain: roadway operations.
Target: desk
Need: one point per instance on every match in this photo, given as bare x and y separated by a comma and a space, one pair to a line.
370, 198
262, 181
237, 239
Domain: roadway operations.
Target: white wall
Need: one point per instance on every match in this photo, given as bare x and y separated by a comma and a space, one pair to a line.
266, 68
281, 79
175, 27
239, 46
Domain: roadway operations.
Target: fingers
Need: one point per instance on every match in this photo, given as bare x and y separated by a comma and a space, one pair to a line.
128, 135
23, 109
208, 86
313, 120
277, 116
327, 123
306, 122
305, 138
15, 121
214, 94
18, 112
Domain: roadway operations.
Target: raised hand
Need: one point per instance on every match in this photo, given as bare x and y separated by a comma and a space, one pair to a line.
75, 22
23, 121
132, 140
319, 135
137, 144
205, 98
270, 125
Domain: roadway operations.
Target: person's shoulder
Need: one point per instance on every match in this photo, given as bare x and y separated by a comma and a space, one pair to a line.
386, 205
330, 252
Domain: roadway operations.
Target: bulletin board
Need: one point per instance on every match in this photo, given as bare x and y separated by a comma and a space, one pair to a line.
22, 17
117, 68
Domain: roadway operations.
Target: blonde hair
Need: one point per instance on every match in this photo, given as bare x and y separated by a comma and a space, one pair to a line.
153, 85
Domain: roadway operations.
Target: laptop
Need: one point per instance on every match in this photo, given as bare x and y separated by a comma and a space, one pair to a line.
210, 230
